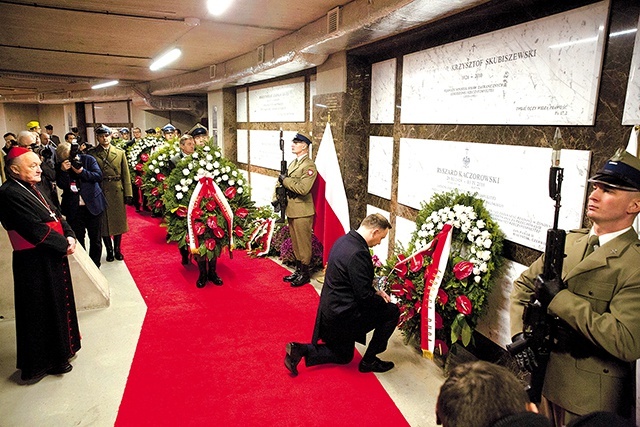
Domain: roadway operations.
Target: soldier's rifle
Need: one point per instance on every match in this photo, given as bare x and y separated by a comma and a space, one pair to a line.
281, 191
532, 347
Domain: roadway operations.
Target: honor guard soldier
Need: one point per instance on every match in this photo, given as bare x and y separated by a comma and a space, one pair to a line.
301, 174
596, 305
169, 132
200, 135
116, 186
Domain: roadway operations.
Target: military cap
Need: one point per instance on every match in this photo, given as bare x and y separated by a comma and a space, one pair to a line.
621, 171
124, 130
199, 130
33, 124
150, 130
103, 130
168, 128
301, 137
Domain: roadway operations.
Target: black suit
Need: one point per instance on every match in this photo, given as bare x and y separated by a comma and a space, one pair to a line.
349, 306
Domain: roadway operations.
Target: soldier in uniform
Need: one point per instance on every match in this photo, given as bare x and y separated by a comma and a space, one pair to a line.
200, 134
298, 181
597, 302
187, 147
169, 132
116, 186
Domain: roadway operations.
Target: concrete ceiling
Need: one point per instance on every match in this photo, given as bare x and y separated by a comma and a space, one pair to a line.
53, 51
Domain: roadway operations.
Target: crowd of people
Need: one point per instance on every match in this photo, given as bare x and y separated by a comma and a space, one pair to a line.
590, 372
56, 193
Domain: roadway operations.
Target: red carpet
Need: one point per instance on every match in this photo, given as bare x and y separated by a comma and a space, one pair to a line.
214, 356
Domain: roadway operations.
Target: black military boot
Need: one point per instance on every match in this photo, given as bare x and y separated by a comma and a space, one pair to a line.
293, 276
117, 239
108, 245
202, 267
212, 275
303, 278
184, 251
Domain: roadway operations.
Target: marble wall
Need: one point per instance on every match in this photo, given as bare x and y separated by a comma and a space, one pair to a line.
602, 138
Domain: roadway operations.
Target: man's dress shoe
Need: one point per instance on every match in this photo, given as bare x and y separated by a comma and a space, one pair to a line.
59, 370
376, 365
295, 352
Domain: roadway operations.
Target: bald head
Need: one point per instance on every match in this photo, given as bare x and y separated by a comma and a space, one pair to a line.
26, 138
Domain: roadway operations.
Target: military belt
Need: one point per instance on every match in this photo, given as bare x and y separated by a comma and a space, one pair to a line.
112, 178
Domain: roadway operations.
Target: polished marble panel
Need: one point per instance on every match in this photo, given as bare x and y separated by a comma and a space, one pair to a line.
383, 91
511, 180
278, 102
241, 106
265, 148
242, 140
262, 188
632, 102
541, 72
380, 166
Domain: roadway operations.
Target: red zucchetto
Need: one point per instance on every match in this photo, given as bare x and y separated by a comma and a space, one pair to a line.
16, 152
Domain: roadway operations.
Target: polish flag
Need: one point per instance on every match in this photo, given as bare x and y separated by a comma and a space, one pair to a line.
330, 198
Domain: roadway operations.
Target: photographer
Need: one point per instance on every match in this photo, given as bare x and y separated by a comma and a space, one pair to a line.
83, 203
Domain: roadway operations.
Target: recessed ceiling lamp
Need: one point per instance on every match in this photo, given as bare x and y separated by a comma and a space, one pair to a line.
218, 7
105, 84
165, 59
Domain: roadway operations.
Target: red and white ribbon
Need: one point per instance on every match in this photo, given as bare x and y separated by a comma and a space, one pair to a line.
432, 280
207, 188
262, 234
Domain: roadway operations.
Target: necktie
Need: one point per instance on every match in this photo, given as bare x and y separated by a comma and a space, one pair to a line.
591, 245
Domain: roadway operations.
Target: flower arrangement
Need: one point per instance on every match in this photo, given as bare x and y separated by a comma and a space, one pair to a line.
138, 153
154, 173
208, 216
474, 258
284, 249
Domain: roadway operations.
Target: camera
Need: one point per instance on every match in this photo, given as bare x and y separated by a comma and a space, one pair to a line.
74, 156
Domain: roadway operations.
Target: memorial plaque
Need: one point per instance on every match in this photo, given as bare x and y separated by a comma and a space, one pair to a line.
277, 102
543, 72
512, 181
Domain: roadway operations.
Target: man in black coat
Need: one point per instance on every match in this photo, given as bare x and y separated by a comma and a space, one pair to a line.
47, 334
350, 306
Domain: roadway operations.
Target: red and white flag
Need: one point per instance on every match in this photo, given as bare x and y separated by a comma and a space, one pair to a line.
330, 198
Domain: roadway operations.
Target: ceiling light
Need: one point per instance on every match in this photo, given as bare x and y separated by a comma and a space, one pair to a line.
165, 59
217, 7
105, 84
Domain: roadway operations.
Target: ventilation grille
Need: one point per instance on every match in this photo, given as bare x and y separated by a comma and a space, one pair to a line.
260, 54
333, 20
212, 71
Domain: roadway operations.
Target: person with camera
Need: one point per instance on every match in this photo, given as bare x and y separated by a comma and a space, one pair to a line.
116, 185
596, 305
83, 202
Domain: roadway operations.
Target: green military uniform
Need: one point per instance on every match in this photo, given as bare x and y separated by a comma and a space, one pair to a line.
301, 176
597, 314
116, 185
601, 303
